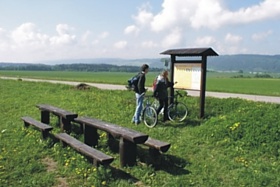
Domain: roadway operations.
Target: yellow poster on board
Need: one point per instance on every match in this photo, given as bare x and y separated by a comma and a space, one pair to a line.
187, 76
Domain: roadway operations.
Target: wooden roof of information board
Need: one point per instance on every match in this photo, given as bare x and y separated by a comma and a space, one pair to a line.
191, 52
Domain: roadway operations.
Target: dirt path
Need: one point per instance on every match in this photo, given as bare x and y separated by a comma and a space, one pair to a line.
269, 99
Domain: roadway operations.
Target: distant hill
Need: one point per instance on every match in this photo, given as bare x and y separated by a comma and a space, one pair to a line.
246, 63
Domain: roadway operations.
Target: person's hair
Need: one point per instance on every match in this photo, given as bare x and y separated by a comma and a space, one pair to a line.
144, 67
164, 72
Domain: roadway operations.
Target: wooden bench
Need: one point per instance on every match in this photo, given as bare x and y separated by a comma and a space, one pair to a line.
97, 156
44, 128
156, 147
128, 138
65, 117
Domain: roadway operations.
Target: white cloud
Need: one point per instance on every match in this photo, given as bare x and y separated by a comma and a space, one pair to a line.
64, 37
144, 16
234, 39
205, 41
261, 36
170, 15
27, 34
148, 44
265, 10
4, 39
173, 38
210, 14
204, 16
132, 29
103, 35
120, 44
100, 37
86, 36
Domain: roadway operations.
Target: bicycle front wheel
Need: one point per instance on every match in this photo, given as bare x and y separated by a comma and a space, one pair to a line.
150, 116
177, 112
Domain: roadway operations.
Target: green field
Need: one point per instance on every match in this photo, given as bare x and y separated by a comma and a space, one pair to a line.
219, 82
236, 144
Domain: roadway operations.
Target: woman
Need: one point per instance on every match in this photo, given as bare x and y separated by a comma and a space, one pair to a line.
161, 93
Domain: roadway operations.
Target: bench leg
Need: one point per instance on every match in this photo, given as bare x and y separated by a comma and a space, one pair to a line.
128, 152
155, 155
112, 143
63, 143
65, 125
95, 163
26, 124
90, 135
45, 117
45, 134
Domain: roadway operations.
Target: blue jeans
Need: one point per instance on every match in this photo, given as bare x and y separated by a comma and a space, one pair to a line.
139, 106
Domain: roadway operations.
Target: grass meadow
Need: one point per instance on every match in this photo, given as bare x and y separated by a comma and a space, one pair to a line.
236, 144
218, 82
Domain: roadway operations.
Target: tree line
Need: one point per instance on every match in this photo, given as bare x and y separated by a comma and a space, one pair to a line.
73, 67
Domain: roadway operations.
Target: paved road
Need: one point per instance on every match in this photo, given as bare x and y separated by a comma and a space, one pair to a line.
269, 99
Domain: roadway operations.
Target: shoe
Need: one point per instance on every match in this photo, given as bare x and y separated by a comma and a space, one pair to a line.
137, 123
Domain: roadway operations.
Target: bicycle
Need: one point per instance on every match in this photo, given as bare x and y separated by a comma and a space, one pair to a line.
177, 111
149, 114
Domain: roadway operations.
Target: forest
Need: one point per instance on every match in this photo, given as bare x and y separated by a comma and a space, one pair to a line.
75, 67
232, 63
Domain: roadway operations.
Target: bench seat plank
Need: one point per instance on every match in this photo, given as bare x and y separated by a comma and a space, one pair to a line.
44, 128
36, 123
101, 157
69, 140
57, 111
85, 149
65, 117
157, 144
115, 130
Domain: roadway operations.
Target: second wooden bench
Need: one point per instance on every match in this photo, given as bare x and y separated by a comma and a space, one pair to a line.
129, 138
97, 156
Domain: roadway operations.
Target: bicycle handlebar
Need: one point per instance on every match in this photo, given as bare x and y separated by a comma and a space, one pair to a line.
179, 93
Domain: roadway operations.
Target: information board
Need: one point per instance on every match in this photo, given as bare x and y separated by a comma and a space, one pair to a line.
187, 76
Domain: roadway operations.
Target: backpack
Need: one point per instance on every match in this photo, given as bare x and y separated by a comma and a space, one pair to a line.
154, 83
132, 82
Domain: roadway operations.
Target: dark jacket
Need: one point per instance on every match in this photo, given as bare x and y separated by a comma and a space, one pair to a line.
141, 83
161, 87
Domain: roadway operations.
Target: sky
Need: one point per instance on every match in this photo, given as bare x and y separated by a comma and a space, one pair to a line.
40, 30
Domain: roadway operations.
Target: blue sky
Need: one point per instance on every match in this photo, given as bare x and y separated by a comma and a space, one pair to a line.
37, 30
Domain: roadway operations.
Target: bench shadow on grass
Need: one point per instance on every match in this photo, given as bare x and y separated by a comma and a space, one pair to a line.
166, 162
121, 174
185, 123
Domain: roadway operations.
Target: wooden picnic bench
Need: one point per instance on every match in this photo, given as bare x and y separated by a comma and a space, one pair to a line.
44, 128
65, 117
129, 138
97, 156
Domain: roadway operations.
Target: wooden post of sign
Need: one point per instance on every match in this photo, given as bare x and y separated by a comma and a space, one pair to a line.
173, 60
203, 85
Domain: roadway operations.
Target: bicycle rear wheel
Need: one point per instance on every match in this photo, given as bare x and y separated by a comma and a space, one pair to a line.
177, 111
150, 117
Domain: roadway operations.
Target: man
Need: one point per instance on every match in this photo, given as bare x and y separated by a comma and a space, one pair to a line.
139, 93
